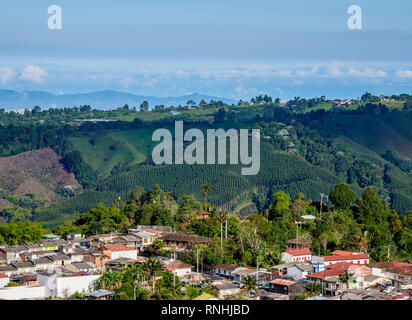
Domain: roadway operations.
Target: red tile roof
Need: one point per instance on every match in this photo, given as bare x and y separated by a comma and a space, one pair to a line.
172, 266
282, 282
342, 253
152, 232
2, 276
406, 270
339, 265
327, 273
298, 252
118, 247
346, 257
389, 265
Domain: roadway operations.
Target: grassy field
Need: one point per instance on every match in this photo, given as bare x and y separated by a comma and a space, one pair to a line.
325, 106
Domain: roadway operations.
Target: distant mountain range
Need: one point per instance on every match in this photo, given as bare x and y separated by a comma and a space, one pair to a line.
109, 99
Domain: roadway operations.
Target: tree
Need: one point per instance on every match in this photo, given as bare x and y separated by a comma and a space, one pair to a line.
345, 279
250, 284
206, 188
191, 103
152, 266
221, 216
313, 288
342, 196
298, 204
280, 204
144, 106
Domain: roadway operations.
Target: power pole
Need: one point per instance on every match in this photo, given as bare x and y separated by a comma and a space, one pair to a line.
321, 203
257, 264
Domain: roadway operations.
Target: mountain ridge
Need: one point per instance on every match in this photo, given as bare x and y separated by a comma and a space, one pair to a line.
104, 99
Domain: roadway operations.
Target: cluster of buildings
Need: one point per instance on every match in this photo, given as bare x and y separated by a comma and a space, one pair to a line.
55, 267
299, 267
58, 268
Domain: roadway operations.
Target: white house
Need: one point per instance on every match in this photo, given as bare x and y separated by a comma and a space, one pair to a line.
4, 280
299, 271
58, 286
297, 255
226, 270
179, 268
342, 256
116, 251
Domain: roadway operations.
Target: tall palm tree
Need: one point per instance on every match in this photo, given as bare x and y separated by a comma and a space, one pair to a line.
345, 278
361, 242
221, 216
153, 266
206, 188
250, 284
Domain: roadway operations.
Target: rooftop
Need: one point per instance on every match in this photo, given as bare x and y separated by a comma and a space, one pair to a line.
298, 252
282, 282
118, 247
172, 266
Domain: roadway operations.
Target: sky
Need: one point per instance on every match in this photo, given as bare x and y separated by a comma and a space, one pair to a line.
228, 48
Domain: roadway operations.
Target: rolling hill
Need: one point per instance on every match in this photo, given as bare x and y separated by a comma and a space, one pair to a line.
36, 172
10, 99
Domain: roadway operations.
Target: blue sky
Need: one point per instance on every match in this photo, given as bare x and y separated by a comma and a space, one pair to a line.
235, 49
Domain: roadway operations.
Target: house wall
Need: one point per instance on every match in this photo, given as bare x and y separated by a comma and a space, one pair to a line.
182, 272
378, 272
296, 273
131, 254
26, 292
354, 261
4, 282
61, 286
286, 257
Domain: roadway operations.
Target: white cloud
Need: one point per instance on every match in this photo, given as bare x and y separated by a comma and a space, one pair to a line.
404, 73
98, 77
6, 74
334, 69
239, 89
305, 73
370, 73
34, 74
150, 83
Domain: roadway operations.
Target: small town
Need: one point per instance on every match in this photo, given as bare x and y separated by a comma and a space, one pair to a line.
57, 269
205, 159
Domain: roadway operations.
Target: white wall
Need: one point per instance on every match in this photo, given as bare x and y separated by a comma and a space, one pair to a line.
131, 254
4, 282
61, 286
182, 272
18, 293
296, 273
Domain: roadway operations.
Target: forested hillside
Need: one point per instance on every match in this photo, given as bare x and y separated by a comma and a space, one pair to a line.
304, 149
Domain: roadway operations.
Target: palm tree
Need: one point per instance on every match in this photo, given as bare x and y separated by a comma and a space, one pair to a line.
250, 284
206, 188
361, 242
152, 266
221, 216
345, 278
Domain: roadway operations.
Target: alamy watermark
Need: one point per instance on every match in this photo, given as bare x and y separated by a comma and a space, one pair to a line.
194, 153
55, 20
355, 20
